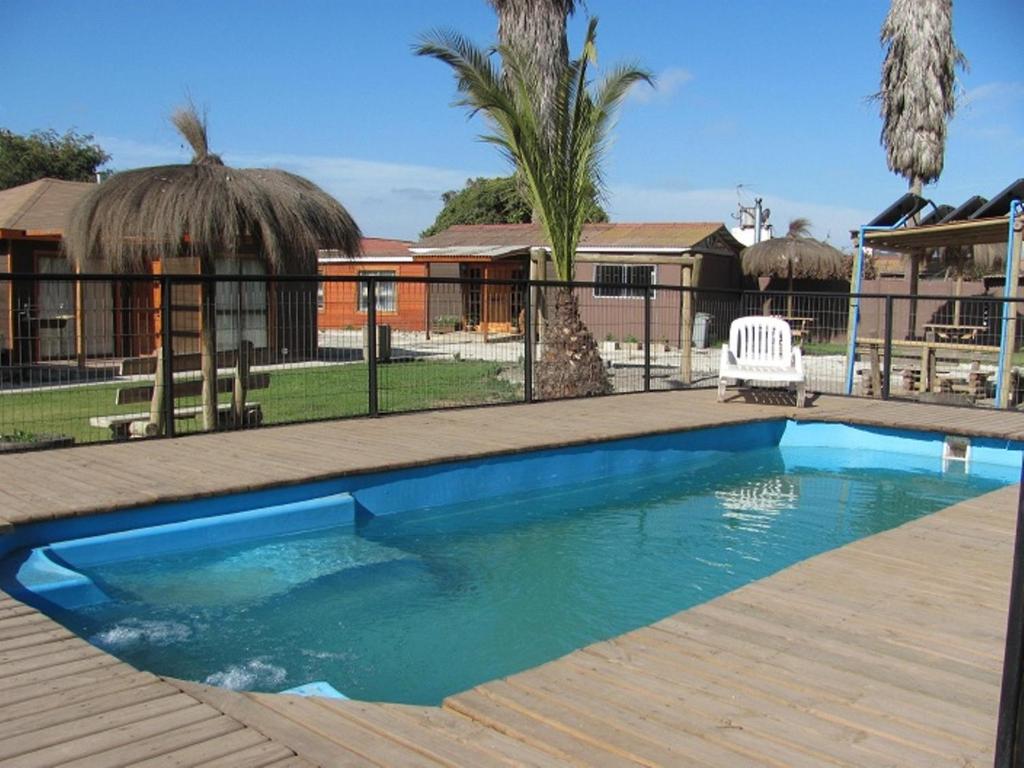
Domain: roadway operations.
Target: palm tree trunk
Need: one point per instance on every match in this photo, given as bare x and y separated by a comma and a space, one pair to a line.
570, 364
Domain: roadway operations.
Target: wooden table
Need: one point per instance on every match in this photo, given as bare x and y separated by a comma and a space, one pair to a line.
953, 334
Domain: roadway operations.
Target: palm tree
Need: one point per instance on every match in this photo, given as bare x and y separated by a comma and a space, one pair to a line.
560, 169
917, 96
917, 89
202, 211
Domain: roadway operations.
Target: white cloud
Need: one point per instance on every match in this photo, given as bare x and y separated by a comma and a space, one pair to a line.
666, 84
995, 91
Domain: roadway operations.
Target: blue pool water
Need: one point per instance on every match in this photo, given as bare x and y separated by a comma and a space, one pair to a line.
415, 605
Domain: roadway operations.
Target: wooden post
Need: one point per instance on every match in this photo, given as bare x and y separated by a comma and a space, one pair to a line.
876, 371
79, 321
157, 405
686, 324
485, 301
240, 390
426, 302
208, 352
915, 268
1011, 325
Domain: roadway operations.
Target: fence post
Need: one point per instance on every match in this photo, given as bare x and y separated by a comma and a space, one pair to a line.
371, 344
527, 342
887, 353
647, 339
167, 352
1008, 729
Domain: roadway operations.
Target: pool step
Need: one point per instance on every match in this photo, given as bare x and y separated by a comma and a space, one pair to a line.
52, 572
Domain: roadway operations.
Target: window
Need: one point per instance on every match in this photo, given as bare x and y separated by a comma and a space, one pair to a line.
321, 298
631, 280
387, 295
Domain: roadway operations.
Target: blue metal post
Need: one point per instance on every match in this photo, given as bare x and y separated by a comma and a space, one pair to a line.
858, 282
1005, 343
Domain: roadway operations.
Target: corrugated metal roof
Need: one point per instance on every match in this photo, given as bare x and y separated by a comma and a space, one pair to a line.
491, 252
41, 206
612, 235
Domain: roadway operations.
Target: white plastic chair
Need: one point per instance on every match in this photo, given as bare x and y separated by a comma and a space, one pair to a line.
760, 349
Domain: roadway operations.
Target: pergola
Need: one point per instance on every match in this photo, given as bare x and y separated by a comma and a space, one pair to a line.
1008, 230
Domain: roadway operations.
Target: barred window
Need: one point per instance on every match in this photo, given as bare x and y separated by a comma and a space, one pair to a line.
387, 299
631, 280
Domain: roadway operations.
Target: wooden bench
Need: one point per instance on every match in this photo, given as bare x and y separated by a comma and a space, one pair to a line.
233, 375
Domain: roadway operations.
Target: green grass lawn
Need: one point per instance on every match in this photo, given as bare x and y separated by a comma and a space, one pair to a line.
295, 394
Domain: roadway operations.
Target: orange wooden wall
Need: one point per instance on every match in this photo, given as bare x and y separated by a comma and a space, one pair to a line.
340, 299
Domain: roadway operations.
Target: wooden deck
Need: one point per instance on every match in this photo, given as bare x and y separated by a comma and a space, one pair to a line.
884, 652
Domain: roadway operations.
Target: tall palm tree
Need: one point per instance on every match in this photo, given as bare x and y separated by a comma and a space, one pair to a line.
917, 97
917, 92
560, 169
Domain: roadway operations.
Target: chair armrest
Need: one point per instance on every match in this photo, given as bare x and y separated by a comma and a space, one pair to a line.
726, 358
798, 360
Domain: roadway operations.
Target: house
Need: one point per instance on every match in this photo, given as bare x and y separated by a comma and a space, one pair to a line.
633, 256
342, 305
78, 320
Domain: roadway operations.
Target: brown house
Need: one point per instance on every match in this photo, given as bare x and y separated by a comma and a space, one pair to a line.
76, 321
697, 254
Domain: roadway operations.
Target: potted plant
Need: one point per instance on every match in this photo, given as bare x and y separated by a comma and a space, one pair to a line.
609, 344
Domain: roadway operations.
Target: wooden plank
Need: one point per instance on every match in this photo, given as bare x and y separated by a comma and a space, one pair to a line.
561, 742
252, 711
94, 705
202, 735
266, 754
333, 733
98, 723
70, 696
102, 741
258, 756
432, 744
143, 393
249, 748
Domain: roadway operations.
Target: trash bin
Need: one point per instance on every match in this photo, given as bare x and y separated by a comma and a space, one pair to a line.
701, 330
383, 343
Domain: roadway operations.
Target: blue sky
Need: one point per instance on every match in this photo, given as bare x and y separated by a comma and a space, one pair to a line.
770, 95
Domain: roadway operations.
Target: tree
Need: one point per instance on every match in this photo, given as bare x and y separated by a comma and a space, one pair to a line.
72, 157
560, 169
499, 200
917, 89
917, 98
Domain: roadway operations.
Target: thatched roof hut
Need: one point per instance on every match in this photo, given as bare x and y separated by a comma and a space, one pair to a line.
206, 209
203, 211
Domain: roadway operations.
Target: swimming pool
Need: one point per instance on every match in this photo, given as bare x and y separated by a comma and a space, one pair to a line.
412, 585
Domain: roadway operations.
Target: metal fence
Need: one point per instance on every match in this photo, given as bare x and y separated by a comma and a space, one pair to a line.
93, 358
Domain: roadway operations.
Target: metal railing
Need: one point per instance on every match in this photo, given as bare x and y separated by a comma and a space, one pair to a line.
93, 358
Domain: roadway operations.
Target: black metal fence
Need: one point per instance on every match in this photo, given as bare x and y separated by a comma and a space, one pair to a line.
93, 358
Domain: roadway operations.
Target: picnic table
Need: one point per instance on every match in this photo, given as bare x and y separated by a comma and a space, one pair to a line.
968, 375
953, 334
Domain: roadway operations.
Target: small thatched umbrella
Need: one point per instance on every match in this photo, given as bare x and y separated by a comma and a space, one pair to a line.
797, 255
204, 210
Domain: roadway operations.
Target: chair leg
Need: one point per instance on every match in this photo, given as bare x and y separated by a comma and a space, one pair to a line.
721, 390
801, 394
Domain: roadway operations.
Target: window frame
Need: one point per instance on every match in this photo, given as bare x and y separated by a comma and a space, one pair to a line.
625, 291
